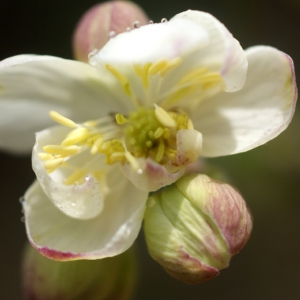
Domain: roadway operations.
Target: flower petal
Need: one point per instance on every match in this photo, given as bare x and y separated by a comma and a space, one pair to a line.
31, 86
152, 42
237, 122
60, 237
189, 146
153, 176
82, 201
223, 52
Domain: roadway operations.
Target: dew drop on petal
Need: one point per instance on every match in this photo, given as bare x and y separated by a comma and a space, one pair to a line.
112, 34
128, 28
136, 24
150, 22
21, 199
164, 20
23, 219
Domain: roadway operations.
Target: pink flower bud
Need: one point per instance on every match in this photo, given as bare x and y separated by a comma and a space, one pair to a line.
195, 226
103, 21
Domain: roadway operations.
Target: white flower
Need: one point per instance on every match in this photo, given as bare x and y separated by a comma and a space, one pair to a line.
143, 105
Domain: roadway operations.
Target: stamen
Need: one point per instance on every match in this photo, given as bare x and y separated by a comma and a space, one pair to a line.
164, 118
45, 156
120, 119
157, 66
126, 86
160, 151
63, 151
76, 176
158, 133
132, 160
172, 64
123, 80
77, 135
97, 145
61, 119
51, 165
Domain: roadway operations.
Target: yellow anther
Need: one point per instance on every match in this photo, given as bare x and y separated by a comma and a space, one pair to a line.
51, 165
145, 72
138, 70
157, 66
160, 151
192, 75
77, 135
167, 133
148, 144
120, 119
158, 133
62, 150
164, 118
172, 64
45, 156
61, 119
122, 79
190, 124
117, 156
132, 160
91, 123
76, 176
97, 145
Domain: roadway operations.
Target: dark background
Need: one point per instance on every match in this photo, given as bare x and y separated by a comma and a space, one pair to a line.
268, 177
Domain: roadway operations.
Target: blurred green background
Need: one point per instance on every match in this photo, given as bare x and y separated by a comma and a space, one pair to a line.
268, 177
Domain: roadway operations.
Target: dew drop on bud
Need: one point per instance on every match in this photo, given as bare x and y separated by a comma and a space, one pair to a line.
112, 34
136, 24
164, 20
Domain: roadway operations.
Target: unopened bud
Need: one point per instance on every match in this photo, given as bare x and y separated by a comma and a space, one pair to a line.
195, 226
104, 279
102, 22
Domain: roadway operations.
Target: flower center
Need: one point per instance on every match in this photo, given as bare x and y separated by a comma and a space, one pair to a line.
146, 132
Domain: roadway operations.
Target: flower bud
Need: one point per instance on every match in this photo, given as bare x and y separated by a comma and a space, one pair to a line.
108, 278
194, 226
103, 21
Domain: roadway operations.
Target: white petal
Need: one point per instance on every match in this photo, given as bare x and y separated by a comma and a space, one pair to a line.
60, 237
151, 176
82, 201
152, 42
237, 122
223, 52
31, 86
189, 146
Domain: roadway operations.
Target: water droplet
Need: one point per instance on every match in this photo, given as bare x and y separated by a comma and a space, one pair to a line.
88, 178
93, 53
73, 204
164, 20
112, 34
150, 22
136, 24
21, 199
140, 171
23, 219
128, 28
